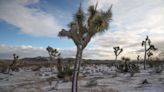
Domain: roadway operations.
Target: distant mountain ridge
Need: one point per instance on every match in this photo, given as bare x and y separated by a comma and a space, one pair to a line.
41, 59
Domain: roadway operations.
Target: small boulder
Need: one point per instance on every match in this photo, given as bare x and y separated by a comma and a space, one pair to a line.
145, 81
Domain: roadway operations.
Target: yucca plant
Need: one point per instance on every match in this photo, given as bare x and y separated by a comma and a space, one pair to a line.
82, 29
146, 42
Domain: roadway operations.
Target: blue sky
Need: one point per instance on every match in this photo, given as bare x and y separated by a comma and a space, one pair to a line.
12, 35
29, 26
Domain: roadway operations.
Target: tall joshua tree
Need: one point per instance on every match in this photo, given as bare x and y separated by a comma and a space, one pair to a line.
117, 51
53, 53
82, 29
146, 42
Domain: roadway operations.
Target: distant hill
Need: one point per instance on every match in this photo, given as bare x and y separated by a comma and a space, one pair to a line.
39, 58
45, 59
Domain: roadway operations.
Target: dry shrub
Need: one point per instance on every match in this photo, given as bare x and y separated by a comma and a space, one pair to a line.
102, 89
91, 83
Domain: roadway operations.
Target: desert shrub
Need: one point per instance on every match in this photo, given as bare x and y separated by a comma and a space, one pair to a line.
64, 70
91, 83
127, 67
151, 63
134, 67
102, 89
36, 68
122, 67
157, 65
15, 68
60, 75
158, 69
3, 69
114, 75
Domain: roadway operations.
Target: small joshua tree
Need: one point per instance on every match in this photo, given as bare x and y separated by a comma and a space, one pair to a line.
13, 64
53, 54
117, 51
146, 42
81, 30
138, 59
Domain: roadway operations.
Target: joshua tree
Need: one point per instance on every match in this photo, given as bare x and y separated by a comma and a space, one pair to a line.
82, 29
53, 53
117, 51
138, 57
15, 60
146, 42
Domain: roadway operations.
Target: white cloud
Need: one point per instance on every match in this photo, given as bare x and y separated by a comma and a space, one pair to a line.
22, 51
102, 4
132, 21
30, 20
30, 51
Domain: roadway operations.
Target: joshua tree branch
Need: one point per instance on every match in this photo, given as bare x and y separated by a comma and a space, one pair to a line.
64, 33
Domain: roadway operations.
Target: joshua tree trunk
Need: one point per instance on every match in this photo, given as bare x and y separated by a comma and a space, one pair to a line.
116, 60
76, 69
50, 62
10, 67
145, 58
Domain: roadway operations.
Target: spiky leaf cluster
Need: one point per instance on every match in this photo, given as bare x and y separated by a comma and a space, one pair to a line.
150, 48
117, 50
53, 52
149, 54
15, 59
84, 26
15, 56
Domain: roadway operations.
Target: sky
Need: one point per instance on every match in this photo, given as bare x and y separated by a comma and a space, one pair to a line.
27, 27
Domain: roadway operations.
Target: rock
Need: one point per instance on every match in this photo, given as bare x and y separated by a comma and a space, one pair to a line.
145, 81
